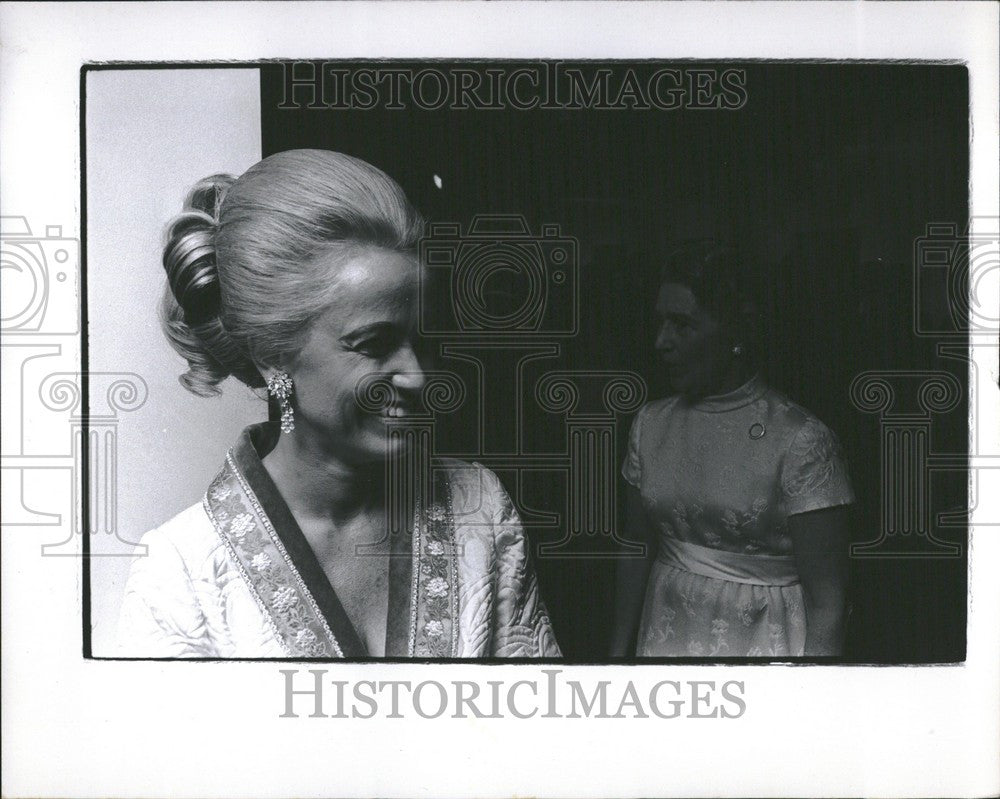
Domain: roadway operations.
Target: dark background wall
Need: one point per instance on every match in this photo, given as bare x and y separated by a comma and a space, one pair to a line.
825, 178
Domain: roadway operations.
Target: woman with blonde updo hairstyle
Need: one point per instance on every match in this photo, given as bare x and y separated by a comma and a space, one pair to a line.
300, 279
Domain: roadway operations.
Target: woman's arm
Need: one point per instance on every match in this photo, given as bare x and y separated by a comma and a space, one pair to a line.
820, 542
633, 574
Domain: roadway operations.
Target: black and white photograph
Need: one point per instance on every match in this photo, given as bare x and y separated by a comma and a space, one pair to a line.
500, 390
563, 359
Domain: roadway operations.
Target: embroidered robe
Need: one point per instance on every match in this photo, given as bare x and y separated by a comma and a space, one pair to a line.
234, 577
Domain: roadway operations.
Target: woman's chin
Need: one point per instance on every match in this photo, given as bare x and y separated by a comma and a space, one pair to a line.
388, 441
397, 446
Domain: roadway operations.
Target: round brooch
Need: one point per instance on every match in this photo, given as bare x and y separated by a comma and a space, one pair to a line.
756, 431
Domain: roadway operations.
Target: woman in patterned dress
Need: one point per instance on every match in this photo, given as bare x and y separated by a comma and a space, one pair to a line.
740, 494
301, 277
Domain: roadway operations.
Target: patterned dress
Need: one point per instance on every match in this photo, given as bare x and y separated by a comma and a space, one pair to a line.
233, 576
718, 479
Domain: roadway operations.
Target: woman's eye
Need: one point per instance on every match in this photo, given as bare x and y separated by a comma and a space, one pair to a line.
677, 326
378, 346
375, 348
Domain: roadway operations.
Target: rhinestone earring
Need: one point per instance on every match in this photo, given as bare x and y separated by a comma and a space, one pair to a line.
279, 386
738, 350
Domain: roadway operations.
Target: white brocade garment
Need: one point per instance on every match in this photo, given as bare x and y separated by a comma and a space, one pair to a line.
233, 577
718, 479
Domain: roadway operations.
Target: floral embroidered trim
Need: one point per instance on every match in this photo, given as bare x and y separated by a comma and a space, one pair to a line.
289, 608
217, 523
434, 601
453, 575
414, 580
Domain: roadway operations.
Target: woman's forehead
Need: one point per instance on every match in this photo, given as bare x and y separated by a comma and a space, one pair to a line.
371, 266
373, 285
676, 298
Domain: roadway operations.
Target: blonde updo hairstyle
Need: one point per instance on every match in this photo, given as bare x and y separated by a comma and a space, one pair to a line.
243, 285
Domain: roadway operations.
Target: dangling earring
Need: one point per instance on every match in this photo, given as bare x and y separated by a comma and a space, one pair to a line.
279, 385
738, 350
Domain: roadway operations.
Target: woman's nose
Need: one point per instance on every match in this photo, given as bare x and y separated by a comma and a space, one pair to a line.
665, 339
408, 374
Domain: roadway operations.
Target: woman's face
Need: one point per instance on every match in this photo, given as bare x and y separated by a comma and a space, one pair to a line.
691, 343
369, 328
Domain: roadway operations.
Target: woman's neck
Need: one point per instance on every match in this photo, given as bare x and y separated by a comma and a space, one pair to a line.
724, 381
738, 373
316, 483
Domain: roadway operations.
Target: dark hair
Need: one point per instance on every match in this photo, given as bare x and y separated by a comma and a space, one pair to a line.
243, 285
722, 280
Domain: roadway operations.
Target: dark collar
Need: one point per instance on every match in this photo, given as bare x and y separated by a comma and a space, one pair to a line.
254, 443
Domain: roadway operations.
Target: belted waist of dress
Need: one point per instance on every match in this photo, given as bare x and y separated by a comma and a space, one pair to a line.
777, 570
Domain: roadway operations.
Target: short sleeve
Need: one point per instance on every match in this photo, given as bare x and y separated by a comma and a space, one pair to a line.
631, 467
814, 474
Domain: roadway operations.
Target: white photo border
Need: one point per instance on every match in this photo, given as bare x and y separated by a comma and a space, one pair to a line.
76, 727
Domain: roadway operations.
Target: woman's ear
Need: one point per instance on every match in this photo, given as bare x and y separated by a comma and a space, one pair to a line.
269, 370
274, 376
